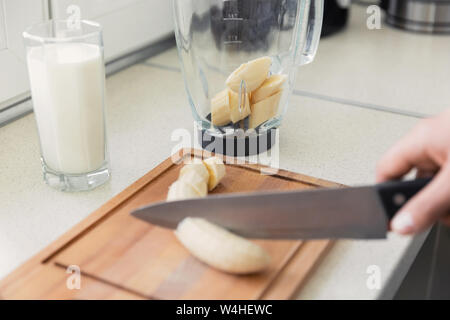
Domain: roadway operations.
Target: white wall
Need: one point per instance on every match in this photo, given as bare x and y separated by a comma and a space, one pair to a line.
128, 24
2, 29
15, 16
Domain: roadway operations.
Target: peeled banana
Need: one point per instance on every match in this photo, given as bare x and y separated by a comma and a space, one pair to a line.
253, 73
180, 190
216, 169
272, 85
220, 108
264, 110
220, 248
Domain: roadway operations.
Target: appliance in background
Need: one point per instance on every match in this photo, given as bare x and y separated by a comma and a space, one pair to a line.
335, 16
430, 16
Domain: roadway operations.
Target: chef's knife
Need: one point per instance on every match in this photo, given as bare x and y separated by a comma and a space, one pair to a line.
360, 212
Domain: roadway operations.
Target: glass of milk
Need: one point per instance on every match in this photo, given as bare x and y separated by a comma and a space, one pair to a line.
67, 79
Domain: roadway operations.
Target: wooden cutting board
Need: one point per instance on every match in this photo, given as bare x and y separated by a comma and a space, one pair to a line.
121, 257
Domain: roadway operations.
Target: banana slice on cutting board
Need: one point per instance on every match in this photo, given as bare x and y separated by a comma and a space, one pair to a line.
253, 73
264, 110
196, 178
220, 248
181, 190
198, 166
196, 181
216, 169
272, 85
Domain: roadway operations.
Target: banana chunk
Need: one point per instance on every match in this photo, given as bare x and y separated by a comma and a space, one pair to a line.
264, 110
196, 181
216, 169
272, 85
220, 108
236, 113
198, 166
220, 248
180, 190
253, 73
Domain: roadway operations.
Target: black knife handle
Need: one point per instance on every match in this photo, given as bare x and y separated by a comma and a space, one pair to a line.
394, 194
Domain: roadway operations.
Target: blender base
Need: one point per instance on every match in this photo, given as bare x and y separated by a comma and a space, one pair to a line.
238, 146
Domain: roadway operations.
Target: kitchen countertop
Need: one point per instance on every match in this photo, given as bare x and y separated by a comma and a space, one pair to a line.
360, 100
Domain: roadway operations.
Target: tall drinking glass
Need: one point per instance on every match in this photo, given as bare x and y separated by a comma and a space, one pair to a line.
67, 79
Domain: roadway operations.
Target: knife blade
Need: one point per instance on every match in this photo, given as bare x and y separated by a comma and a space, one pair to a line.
353, 213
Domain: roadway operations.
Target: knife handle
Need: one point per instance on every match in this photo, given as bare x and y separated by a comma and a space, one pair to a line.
394, 194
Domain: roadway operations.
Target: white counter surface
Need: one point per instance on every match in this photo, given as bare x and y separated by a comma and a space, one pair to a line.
334, 130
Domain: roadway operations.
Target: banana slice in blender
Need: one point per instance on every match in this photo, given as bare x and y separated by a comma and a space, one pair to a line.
264, 110
220, 248
236, 113
225, 107
272, 85
220, 108
253, 73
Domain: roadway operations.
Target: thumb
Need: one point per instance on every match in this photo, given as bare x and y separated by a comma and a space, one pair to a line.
426, 207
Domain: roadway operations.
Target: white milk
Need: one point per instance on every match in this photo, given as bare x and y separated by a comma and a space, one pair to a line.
67, 87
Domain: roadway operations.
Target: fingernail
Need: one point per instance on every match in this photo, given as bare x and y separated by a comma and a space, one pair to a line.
403, 223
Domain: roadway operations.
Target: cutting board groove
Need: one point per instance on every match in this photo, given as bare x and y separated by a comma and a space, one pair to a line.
106, 283
121, 257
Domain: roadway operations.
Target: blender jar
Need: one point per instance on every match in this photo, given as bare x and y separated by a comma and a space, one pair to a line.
239, 61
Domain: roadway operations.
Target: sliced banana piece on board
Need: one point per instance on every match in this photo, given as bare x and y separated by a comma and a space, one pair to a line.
220, 108
180, 190
236, 113
216, 169
272, 85
264, 110
253, 73
220, 248
198, 182
198, 166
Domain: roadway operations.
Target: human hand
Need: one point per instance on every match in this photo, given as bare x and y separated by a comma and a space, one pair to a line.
427, 149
